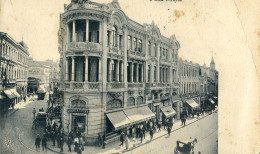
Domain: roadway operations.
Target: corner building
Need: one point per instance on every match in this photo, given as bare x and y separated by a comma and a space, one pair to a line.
115, 73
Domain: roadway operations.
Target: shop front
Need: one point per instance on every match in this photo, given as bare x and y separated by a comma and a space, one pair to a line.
129, 120
78, 119
190, 106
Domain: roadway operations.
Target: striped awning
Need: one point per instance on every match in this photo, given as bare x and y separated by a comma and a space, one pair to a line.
168, 111
118, 119
140, 114
9, 94
211, 101
192, 103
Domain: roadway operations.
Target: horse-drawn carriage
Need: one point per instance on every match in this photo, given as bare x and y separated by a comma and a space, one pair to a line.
185, 147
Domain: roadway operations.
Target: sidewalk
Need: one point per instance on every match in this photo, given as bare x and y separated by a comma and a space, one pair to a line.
115, 148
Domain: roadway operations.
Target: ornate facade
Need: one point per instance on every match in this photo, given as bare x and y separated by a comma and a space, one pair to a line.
14, 71
111, 65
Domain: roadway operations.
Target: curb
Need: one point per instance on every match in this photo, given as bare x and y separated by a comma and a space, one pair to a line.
130, 149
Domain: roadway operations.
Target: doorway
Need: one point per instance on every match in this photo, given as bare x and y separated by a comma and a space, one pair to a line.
78, 123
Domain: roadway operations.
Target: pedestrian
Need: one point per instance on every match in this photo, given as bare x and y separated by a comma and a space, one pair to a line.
34, 123
34, 112
137, 132
151, 134
76, 144
69, 142
37, 142
198, 115
44, 144
143, 132
169, 131
81, 143
130, 132
53, 135
99, 140
122, 138
141, 136
159, 126
61, 140
126, 142
184, 121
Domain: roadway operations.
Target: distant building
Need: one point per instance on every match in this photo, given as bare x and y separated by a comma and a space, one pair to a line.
189, 85
14, 71
39, 71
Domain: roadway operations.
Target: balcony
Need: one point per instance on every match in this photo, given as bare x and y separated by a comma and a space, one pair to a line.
83, 46
82, 85
135, 85
116, 85
136, 54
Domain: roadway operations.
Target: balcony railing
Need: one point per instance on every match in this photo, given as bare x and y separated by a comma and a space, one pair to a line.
83, 85
135, 85
82, 46
132, 53
115, 85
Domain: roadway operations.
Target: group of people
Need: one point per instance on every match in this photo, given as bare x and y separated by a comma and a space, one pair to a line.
151, 127
38, 142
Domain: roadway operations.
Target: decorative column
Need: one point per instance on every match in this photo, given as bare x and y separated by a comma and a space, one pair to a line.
121, 71
99, 69
117, 41
117, 71
68, 33
137, 72
132, 72
142, 72
73, 68
87, 30
152, 73
100, 32
67, 69
110, 38
86, 68
109, 70
73, 31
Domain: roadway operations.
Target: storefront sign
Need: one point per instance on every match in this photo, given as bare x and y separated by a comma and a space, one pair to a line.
78, 111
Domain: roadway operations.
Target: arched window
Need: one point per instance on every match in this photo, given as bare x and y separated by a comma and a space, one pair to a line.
139, 100
114, 36
130, 101
114, 104
77, 103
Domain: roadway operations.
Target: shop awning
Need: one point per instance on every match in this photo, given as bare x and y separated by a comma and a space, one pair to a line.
168, 111
118, 119
15, 92
139, 114
192, 103
9, 94
211, 101
2, 97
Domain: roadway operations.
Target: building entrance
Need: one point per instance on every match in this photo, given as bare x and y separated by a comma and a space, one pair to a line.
79, 123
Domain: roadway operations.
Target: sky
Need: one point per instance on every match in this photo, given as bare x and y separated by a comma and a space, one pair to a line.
36, 22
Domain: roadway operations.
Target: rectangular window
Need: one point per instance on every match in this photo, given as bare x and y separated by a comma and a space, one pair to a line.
129, 43
149, 48
120, 41
108, 38
140, 46
155, 50
98, 36
135, 44
90, 37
